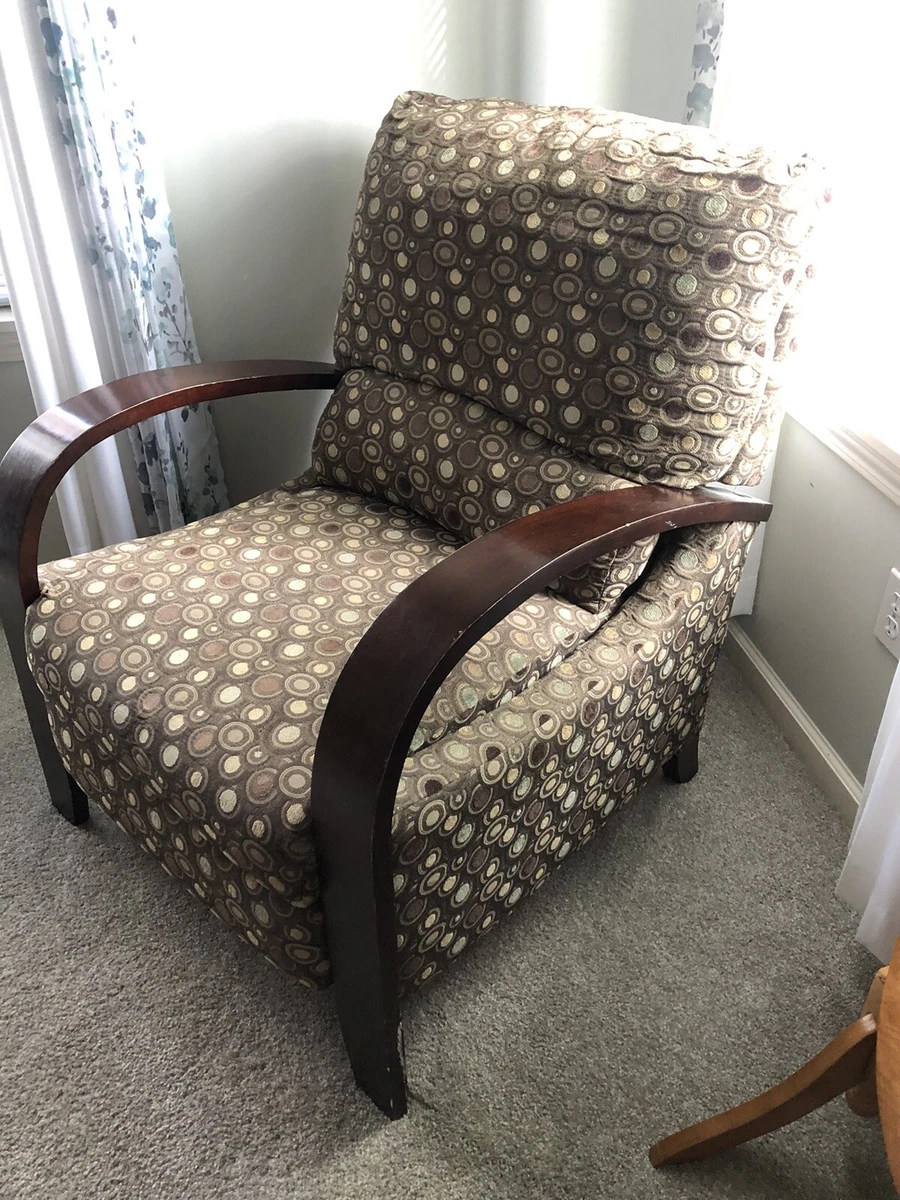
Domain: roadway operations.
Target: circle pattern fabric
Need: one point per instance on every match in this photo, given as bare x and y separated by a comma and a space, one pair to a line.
188, 711
484, 816
611, 282
589, 293
187, 674
462, 464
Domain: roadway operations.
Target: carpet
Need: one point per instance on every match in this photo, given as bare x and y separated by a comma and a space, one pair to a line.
691, 956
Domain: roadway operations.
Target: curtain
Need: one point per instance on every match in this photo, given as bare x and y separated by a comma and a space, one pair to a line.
870, 880
705, 62
46, 289
87, 68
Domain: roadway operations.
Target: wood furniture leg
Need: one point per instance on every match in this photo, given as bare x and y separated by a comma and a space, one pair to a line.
65, 794
863, 1099
840, 1066
887, 1065
682, 767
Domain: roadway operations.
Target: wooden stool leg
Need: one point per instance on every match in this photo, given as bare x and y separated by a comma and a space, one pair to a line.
841, 1065
863, 1099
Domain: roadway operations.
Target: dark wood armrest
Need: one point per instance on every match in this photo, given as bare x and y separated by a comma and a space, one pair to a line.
387, 684
41, 455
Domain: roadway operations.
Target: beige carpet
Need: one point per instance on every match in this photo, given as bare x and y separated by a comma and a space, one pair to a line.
679, 964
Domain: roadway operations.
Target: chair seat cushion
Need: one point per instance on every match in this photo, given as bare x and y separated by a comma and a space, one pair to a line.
187, 674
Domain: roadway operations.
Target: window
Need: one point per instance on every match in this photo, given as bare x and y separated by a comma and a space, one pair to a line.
789, 75
10, 351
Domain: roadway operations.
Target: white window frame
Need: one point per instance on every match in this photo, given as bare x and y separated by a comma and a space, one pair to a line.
10, 350
875, 459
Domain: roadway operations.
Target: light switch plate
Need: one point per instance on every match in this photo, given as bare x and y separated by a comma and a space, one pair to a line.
887, 627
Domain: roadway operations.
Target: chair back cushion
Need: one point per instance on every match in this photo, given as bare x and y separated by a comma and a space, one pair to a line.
464, 465
605, 286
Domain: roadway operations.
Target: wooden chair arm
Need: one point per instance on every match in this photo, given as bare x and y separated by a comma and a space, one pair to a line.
54, 441
388, 682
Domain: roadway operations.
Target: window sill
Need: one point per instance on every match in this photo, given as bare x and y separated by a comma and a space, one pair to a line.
10, 350
874, 459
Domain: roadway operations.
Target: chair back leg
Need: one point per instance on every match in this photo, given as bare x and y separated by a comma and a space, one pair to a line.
683, 765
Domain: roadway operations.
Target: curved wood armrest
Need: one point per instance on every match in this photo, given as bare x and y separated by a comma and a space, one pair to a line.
409, 650
389, 680
41, 455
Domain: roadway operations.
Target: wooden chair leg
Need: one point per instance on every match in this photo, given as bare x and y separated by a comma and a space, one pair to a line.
373, 1036
841, 1065
682, 767
65, 794
863, 1099
79, 811
357, 896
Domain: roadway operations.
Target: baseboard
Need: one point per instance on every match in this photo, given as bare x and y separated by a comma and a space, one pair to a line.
804, 737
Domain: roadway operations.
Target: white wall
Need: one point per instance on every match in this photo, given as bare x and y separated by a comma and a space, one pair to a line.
265, 114
830, 544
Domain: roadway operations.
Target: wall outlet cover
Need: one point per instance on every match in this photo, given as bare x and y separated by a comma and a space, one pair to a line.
887, 627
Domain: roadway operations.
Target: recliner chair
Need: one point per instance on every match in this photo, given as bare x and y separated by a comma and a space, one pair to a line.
364, 715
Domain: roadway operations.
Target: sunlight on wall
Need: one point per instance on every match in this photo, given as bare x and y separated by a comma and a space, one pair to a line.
778, 82
264, 115
434, 42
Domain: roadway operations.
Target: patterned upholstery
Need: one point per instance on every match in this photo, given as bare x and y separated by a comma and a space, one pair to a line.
607, 285
540, 303
464, 465
611, 282
750, 462
186, 676
485, 815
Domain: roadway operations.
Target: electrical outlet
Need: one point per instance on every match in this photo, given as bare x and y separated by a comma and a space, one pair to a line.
887, 627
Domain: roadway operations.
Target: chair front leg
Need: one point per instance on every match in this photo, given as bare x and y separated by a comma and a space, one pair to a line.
65, 794
379, 699
360, 928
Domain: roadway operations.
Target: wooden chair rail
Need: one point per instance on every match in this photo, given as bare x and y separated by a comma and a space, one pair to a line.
833, 1070
380, 697
54, 441
887, 1065
863, 1061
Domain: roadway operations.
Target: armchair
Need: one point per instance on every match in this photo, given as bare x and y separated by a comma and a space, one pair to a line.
365, 714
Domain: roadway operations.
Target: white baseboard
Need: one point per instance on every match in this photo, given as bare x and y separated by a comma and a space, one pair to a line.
805, 738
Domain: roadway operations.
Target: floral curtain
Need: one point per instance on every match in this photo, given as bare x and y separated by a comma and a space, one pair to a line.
705, 61
94, 65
